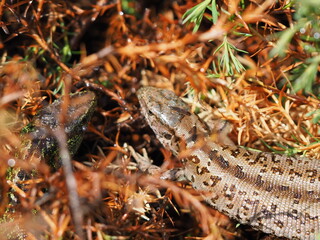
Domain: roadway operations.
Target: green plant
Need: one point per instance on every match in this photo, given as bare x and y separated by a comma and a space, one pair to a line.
196, 13
228, 61
305, 30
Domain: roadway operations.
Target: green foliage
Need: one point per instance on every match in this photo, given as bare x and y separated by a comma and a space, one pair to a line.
316, 116
128, 7
308, 75
228, 61
283, 42
307, 29
287, 150
28, 128
307, 18
196, 13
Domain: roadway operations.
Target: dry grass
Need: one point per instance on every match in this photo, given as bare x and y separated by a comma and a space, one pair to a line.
53, 47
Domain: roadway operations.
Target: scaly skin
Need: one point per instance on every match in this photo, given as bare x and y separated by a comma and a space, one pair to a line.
273, 193
39, 130
38, 138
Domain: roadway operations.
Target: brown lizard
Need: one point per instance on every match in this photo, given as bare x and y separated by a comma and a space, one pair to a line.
273, 193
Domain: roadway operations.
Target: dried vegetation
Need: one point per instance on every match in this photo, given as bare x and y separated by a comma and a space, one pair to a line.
253, 63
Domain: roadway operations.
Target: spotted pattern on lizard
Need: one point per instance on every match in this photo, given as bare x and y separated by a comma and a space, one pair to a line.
273, 193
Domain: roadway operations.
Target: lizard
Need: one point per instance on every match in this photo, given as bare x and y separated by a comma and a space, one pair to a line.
274, 193
38, 138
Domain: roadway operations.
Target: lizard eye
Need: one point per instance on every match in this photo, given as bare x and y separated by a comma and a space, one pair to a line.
167, 136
